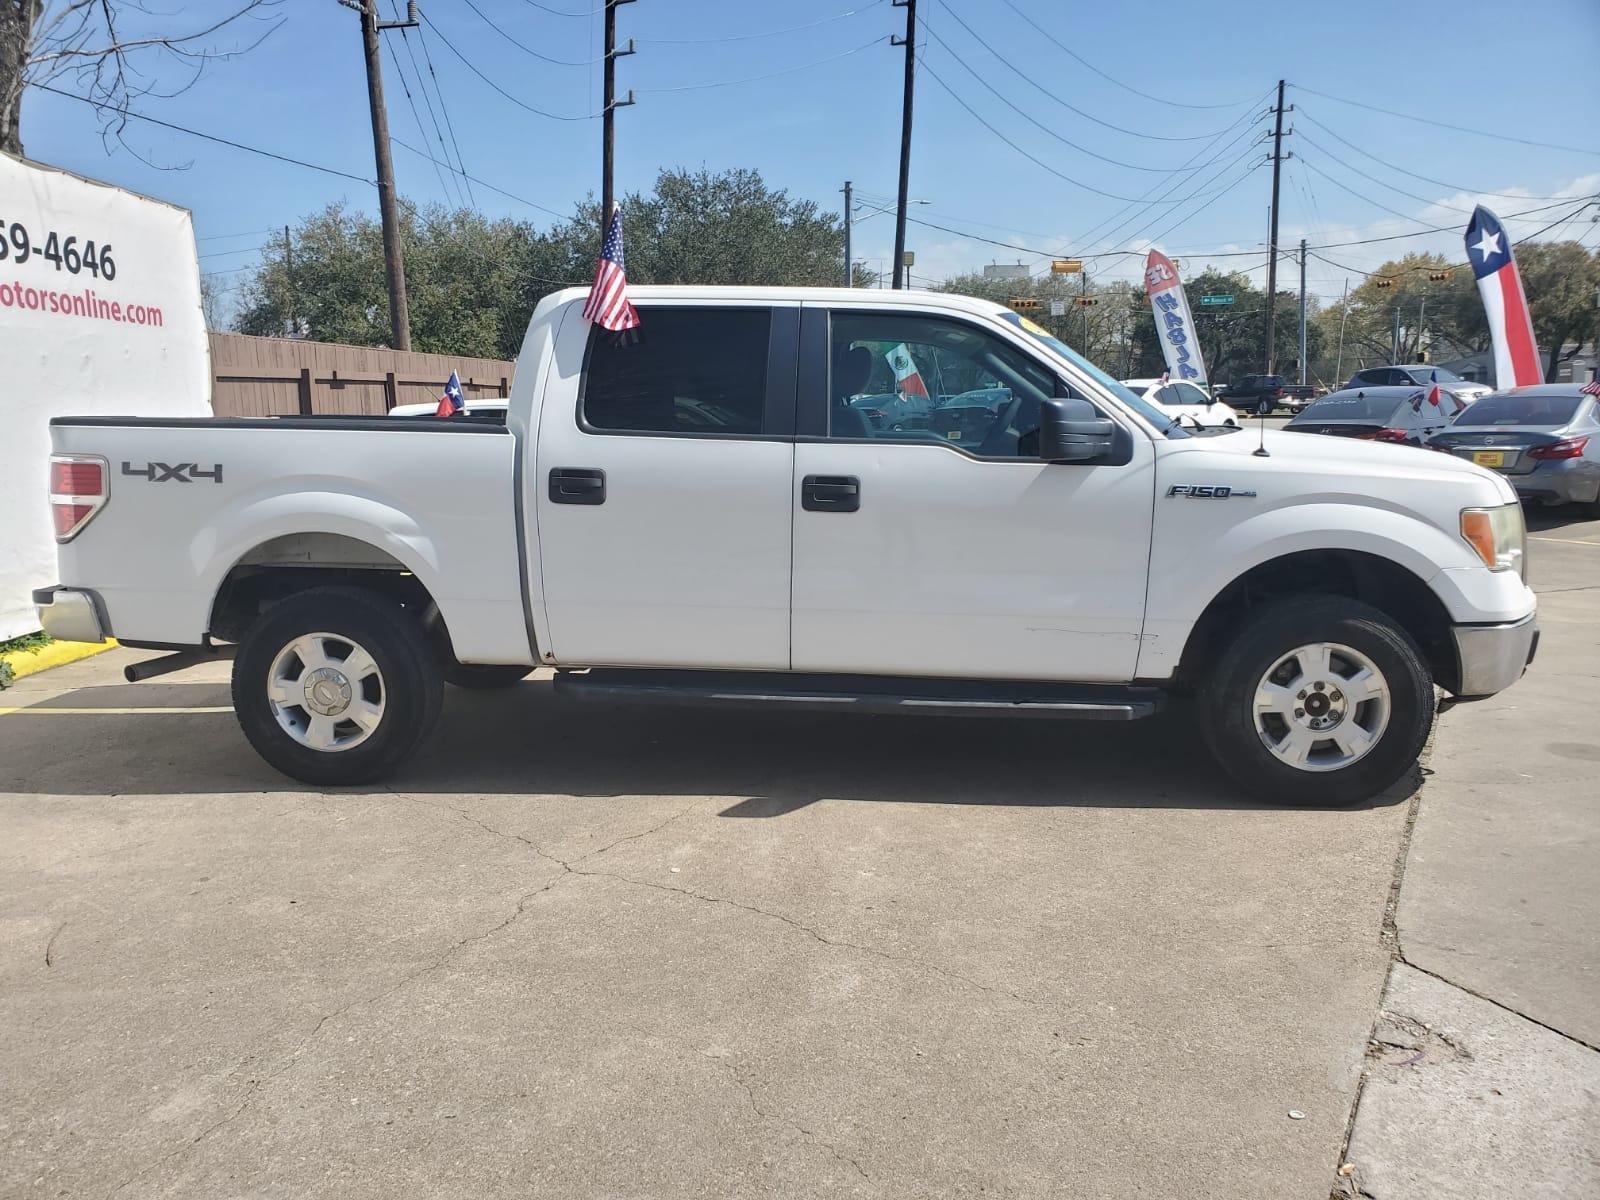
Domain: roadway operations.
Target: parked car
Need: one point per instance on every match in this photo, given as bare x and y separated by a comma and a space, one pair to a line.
967, 418
486, 410
1544, 438
1185, 401
1090, 561
894, 410
1419, 375
1378, 414
1250, 392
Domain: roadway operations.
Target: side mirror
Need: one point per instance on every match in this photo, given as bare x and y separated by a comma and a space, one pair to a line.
1070, 431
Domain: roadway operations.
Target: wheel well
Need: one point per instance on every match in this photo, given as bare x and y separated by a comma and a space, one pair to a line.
285, 566
1380, 582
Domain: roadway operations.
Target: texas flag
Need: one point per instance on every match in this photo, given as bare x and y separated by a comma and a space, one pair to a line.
1516, 355
452, 401
905, 371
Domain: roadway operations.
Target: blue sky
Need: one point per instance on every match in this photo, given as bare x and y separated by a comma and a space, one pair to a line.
834, 113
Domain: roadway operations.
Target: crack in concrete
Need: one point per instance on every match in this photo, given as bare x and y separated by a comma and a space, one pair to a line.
1503, 1007
810, 1136
49, 946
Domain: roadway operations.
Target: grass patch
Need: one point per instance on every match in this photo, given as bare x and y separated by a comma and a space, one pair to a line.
27, 643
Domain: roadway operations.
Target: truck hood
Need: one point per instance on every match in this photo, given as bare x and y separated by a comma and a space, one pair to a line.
1308, 467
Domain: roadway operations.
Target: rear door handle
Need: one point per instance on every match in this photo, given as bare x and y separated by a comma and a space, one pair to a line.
577, 485
830, 493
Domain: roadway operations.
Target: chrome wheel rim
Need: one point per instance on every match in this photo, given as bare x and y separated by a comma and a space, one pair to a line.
326, 692
1322, 707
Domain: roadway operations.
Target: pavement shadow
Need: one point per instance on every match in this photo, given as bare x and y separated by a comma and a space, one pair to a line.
1558, 516
528, 740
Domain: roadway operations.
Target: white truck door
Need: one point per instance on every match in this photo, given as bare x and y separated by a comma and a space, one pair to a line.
951, 549
665, 465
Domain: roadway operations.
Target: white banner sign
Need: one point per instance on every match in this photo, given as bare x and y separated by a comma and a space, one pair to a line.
99, 314
1174, 321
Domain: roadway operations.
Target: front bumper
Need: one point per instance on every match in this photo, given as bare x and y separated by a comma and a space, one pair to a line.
1493, 657
71, 615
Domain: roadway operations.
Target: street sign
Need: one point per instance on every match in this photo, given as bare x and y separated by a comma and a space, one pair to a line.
1215, 299
1058, 308
1066, 266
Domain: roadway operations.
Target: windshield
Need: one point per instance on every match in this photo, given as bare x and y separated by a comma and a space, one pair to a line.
1129, 397
1520, 410
1349, 406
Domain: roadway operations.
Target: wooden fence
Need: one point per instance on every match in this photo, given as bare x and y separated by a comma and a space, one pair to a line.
265, 377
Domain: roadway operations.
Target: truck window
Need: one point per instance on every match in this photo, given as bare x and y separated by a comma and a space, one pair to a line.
690, 371
951, 383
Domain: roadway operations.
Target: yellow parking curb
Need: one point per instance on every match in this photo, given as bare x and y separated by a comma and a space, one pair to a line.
55, 654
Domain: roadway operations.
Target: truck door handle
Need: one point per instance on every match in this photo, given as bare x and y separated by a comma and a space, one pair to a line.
577, 485
830, 493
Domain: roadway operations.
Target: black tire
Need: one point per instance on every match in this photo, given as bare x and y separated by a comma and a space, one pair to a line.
1226, 700
483, 677
409, 685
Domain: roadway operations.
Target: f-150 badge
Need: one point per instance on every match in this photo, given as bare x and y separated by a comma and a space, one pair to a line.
1208, 491
159, 472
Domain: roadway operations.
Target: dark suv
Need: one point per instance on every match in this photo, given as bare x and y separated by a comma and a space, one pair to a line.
1248, 393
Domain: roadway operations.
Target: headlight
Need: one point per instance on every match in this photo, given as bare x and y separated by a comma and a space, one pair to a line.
1498, 536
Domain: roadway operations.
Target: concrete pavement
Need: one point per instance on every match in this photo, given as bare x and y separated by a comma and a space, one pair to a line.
606, 951
1484, 1073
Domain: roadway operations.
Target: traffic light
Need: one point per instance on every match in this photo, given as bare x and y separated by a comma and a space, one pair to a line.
1085, 301
1385, 283
1023, 303
1440, 276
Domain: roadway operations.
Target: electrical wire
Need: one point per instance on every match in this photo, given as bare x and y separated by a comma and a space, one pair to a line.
520, 103
560, 62
1029, 79
1050, 37
427, 99
1302, 114
716, 83
210, 137
1466, 212
765, 33
1389, 112
405, 86
1311, 166
485, 183
558, 12
461, 163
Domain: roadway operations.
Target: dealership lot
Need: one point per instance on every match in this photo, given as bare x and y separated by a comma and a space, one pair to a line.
598, 951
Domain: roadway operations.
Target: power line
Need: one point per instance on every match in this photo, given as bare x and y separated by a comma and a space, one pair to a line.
222, 237
695, 87
556, 12
1147, 213
427, 98
468, 63
1389, 112
1455, 187
1527, 237
973, 113
560, 62
1466, 212
765, 33
485, 183
427, 57
405, 87
1197, 137
210, 137
1050, 37
1363, 196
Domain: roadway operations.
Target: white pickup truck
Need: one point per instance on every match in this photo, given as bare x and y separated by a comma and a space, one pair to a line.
702, 516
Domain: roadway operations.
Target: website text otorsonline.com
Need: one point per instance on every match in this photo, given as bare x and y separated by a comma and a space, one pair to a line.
83, 303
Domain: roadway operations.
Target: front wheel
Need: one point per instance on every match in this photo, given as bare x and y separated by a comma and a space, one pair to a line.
1319, 700
335, 685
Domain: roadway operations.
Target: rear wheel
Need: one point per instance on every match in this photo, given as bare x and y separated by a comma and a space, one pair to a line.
1319, 700
335, 686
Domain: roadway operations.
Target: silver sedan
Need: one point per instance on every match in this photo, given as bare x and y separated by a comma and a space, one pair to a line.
1545, 439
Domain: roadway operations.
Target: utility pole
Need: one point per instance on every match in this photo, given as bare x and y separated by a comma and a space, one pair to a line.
1344, 315
849, 205
608, 140
1272, 239
293, 329
394, 262
1422, 324
1394, 345
1302, 310
910, 43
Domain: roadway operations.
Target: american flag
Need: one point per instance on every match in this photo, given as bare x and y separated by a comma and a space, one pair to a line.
608, 305
1592, 388
1433, 392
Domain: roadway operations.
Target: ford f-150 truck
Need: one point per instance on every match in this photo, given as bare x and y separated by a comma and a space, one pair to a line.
701, 515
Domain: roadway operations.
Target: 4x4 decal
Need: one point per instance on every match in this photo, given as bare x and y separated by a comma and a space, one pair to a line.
159, 472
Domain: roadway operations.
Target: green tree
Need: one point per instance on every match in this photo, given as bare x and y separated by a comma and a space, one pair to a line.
1561, 280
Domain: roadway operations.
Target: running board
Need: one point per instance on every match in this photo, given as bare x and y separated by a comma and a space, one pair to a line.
863, 693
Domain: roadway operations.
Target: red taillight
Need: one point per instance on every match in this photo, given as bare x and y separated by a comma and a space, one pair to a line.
1280, 393
77, 492
1390, 435
1568, 448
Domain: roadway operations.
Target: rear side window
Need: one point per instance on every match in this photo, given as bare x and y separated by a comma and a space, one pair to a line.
1550, 411
691, 371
